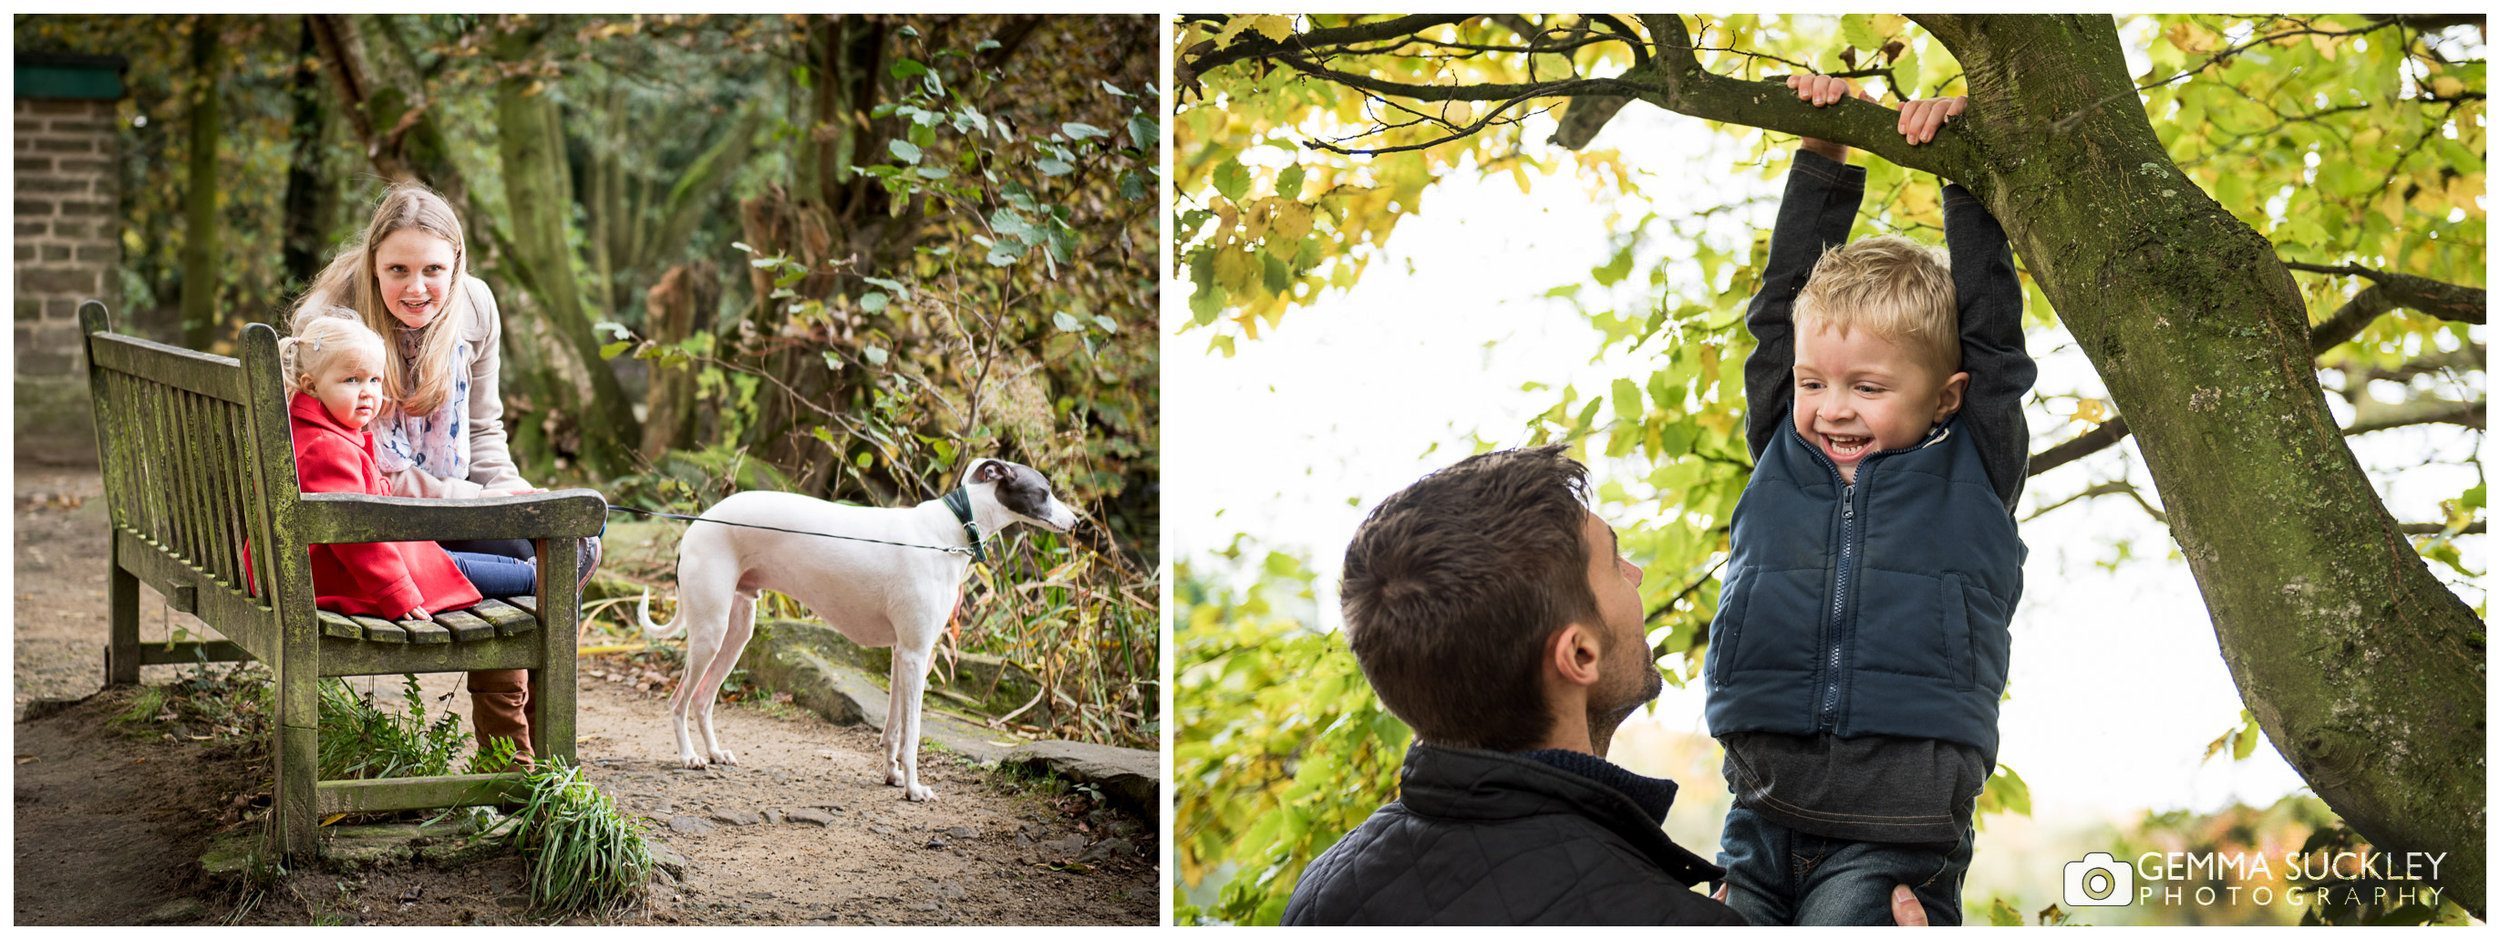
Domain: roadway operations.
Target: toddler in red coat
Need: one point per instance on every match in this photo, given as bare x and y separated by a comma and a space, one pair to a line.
334, 367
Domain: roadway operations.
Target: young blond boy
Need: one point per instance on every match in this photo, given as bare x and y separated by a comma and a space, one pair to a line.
1861, 642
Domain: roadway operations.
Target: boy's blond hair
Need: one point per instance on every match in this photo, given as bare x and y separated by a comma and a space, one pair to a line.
320, 333
1897, 288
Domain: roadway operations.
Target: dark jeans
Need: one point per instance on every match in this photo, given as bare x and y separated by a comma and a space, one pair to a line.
497, 575
1776, 875
508, 548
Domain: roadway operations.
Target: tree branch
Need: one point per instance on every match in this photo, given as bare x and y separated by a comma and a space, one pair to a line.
2390, 290
2475, 527
2370, 414
1678, 82
1254, 46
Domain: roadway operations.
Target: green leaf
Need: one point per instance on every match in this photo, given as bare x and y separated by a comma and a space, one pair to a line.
903, 150
1858, 29
1627, 398
610, 350
873, 303
1232, 180
1106, 86
1143, 133
906, 68
1052, 166
1133, 187
1078, 130
1066, 323
934, 172
1613, 271
1108, 324
874, 355
889, 284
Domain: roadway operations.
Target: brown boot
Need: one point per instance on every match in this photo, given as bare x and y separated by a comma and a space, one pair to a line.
499, 701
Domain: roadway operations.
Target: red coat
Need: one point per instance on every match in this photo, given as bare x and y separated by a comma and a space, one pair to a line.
381, 579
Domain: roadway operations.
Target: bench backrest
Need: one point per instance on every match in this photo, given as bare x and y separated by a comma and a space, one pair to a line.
198, 466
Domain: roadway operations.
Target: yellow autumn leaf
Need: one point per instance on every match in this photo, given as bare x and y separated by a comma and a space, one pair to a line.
2446, 86
1274, 26
1288, 224
2092, 411
1236, 271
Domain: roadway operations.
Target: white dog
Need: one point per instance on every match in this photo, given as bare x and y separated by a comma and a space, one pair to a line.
877, 594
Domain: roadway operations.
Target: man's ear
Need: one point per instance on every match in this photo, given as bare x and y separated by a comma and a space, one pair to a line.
1949, 399
1574, 654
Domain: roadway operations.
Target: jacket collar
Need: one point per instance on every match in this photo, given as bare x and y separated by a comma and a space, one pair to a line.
303, 407
1460, 783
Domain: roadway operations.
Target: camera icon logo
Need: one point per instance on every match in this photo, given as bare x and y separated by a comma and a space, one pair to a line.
2099, 881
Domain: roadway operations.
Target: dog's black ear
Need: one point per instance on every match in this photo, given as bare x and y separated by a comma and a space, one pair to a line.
989, 471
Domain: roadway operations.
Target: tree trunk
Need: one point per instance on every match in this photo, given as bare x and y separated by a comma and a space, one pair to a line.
309, 197
668, 415
199, 232
2365, 671
530, 143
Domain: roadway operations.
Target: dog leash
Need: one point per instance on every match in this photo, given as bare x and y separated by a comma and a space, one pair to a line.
974, 551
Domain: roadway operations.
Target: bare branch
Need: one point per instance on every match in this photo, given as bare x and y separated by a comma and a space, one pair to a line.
1253, 46
2389, 290
2370, 414
2106, 488
2089, 442
2475, 527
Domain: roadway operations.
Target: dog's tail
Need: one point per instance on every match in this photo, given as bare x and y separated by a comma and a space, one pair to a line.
651, 630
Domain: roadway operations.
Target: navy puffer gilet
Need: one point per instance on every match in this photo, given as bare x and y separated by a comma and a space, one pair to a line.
1879, 607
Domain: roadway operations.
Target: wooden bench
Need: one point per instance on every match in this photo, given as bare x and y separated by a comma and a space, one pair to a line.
199, 471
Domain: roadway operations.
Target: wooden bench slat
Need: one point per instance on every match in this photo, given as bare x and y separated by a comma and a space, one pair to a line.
525, 602
506, 619
425, 631
465, 625
336, 624
379, 630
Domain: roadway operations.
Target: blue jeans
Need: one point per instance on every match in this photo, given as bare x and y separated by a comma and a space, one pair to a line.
1776, 875
497, 575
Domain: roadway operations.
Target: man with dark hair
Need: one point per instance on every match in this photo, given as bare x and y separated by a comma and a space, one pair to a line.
1491, 611
1495, 615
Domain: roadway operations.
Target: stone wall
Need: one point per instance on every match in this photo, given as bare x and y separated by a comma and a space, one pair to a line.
67, 215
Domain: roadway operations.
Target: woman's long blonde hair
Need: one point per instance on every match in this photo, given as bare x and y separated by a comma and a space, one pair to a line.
421, 387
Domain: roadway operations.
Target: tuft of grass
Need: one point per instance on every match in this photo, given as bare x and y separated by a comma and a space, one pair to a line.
361, 742
584, 857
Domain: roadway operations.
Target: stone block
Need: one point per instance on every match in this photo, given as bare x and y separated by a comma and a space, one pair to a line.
107, 254
34, 229
98, 167
27, 207
34, 164
83, 125
62, 144
58, 281
54, 184
28, 308
25, 252
77, 231
56, 253
63, 309
70, 207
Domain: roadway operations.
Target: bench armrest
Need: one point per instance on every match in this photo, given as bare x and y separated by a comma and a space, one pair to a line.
355, 517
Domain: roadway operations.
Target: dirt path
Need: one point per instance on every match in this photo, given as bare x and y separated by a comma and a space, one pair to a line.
804, 831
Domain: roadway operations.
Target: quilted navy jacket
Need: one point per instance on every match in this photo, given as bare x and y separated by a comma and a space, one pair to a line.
1478, 837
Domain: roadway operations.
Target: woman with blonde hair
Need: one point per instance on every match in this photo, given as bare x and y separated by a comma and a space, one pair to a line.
442, 433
